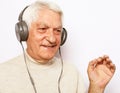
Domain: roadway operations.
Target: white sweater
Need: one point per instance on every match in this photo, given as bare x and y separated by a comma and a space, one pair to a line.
14, 77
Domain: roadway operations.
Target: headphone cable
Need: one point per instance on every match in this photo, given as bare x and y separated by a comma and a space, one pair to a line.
61, 70
31, 79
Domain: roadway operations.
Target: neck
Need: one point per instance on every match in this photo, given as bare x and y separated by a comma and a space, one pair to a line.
42, 62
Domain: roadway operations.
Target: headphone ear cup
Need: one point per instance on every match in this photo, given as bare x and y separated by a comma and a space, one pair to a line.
21, 30
63, 36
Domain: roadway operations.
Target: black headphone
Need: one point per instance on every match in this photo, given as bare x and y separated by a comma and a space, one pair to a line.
22, 32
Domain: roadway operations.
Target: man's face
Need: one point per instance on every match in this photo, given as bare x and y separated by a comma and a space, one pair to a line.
44, 36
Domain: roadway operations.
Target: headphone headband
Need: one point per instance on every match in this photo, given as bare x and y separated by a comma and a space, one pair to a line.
21, 14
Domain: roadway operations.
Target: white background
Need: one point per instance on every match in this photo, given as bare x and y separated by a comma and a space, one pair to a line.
93, 30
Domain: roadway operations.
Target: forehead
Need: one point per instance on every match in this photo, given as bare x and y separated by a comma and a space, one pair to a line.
49, 17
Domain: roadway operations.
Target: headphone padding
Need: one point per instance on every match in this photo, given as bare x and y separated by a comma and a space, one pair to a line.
63, 36
21, 30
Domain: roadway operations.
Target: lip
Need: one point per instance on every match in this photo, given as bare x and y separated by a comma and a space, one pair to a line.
49, 46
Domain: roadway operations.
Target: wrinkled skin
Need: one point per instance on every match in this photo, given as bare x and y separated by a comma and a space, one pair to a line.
100, 72
45, 36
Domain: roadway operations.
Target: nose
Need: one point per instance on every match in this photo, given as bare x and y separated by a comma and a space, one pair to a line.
51, 36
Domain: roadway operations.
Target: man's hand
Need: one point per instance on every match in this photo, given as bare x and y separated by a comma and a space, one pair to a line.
100, 72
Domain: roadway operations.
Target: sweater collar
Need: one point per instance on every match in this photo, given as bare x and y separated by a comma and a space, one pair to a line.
50, 62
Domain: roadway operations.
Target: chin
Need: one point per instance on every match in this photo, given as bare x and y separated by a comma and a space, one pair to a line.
48, 57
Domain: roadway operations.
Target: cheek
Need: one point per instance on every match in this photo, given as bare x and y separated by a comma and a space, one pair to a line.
33, 40
59, 40
35, 37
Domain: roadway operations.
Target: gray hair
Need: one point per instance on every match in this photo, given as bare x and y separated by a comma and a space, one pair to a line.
31, 13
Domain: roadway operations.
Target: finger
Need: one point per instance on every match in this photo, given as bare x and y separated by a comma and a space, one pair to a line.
112, 67
105, 56
104, 62
108, 60
100, 60
92, 64
108, 63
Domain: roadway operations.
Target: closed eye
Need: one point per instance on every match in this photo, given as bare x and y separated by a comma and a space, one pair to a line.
57, 31
42, 29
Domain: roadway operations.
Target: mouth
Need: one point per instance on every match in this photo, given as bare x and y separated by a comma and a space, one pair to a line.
49, 46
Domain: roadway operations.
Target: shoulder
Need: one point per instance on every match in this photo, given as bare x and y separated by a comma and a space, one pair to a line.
12, 62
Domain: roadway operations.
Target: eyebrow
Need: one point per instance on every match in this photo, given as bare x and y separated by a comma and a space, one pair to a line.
43, 24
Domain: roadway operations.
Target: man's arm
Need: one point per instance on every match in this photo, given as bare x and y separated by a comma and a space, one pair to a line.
100, 72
